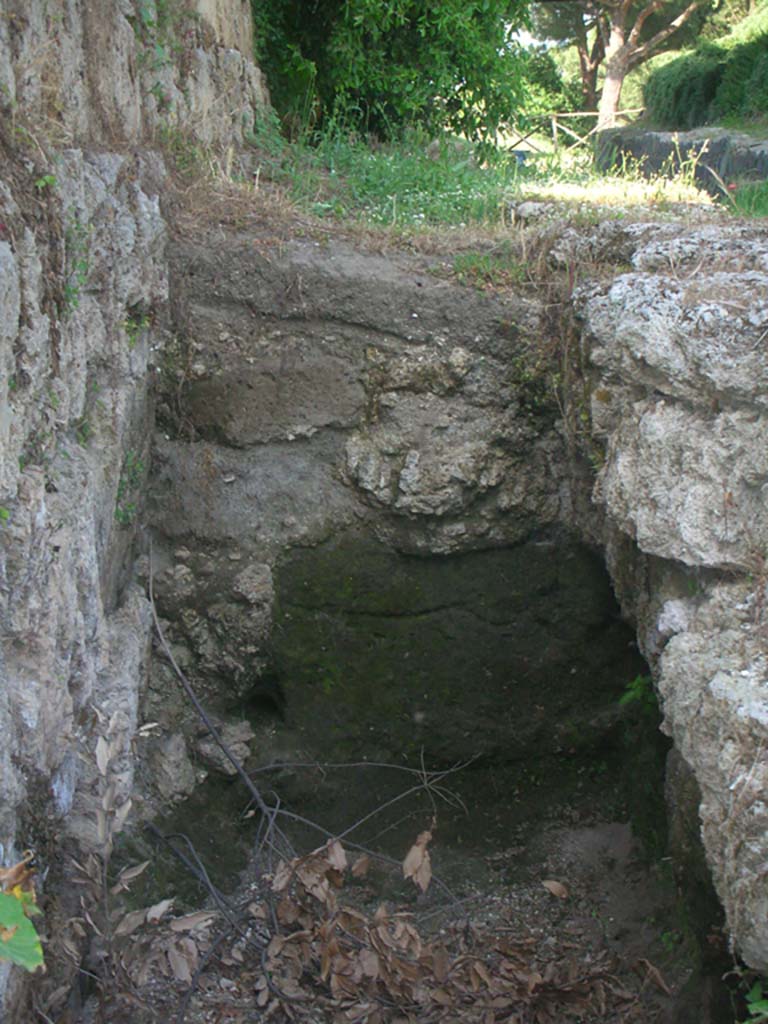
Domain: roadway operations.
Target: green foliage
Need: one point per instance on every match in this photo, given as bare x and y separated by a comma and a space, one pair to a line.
489, 269
757, 1002
19, 941
83, 431
413, 182
639, 693
128, 487
164, 33
134, 324
376, 66
78, 263
5, 514
545, 88
680, 93
750, 199
45, 182
743, 88
186, 154
727, 78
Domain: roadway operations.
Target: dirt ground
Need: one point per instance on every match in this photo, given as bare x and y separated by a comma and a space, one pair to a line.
566, 922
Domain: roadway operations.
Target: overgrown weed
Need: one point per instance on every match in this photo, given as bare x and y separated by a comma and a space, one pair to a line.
420, 182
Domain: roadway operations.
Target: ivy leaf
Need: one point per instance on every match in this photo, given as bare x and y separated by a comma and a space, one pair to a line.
19, 941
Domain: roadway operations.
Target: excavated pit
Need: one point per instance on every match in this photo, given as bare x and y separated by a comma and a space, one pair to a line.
511, 664
374, 556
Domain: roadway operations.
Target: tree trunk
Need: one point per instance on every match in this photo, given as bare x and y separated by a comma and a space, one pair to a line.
616, 67
615, 72
588, 80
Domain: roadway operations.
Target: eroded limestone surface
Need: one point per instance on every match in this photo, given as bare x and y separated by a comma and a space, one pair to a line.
84, 94
678, 354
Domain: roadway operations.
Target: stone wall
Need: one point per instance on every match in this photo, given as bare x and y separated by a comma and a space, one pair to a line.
732, 156
676, 350
110, 71
83, 290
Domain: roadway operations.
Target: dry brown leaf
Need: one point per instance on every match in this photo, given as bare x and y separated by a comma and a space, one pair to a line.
19, 874
480, 969
417, 864
200, 919
128, 875
361, 865
337, 858
654, 975
369, 963
183, 957
441, 997
156, 912
283, 875
556, 888
132, 920
121, 815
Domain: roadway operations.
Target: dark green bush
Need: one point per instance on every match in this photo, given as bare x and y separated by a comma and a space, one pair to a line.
680, 94
756, 99
377, 65
728, 78
742, 89
546, 91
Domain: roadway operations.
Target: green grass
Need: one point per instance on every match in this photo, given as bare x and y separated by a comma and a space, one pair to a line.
409, 183
423, 182
489, 269
750, 199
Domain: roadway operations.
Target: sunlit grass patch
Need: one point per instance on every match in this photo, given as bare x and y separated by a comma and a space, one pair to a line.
571, 177
420, 182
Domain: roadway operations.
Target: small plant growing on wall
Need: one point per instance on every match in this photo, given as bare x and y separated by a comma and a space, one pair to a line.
19, 941
639, 693
128, 487
78, 263
134, 324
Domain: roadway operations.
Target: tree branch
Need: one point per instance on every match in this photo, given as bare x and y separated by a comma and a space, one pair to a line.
641, 19
644, 51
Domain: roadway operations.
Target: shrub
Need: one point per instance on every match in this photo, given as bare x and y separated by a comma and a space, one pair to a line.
724, 79
679, 95
744, 84
376, 66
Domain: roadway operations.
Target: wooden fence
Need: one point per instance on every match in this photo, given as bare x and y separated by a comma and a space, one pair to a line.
553, 124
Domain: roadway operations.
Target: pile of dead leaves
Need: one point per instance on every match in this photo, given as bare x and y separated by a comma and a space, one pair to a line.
323, 960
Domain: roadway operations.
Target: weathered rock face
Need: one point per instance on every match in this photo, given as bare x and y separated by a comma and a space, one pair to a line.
326, 386
730, 154
677, 349
355, 421
73, 452
333, 400
83, 286
420, 433
104, 71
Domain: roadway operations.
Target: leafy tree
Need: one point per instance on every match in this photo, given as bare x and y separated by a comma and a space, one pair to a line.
585, 26
376, 65
546, 91
634, 39
618, 35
